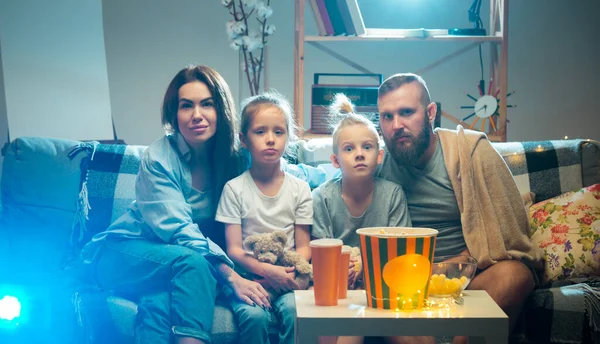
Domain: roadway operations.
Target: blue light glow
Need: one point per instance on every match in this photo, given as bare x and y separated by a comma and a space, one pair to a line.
10, 308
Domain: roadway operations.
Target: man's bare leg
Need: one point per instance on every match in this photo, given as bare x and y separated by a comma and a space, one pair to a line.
340, 340
509, 283
350, 340
189, 340
328, 340
410, 340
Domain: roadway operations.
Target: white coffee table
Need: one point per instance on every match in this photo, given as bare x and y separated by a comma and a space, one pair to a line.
479, 316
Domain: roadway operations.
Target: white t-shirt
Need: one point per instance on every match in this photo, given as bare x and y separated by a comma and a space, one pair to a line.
243, 203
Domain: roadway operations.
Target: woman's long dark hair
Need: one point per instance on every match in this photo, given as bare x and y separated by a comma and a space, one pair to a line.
226, 161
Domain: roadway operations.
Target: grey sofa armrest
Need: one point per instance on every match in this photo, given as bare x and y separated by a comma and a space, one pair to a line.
590, 162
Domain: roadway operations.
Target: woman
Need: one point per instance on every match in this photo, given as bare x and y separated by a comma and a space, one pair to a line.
157, 250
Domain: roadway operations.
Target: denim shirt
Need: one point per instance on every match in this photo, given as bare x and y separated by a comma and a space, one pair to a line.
166, 202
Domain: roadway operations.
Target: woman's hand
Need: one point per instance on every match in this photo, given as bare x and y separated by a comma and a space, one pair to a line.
355, 271
250, 292
281, 279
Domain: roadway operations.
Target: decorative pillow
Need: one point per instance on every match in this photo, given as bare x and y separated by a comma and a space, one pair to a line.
315, 152
567, 229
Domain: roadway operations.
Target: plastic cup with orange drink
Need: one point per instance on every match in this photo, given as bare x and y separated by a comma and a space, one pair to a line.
326, 259
344, 271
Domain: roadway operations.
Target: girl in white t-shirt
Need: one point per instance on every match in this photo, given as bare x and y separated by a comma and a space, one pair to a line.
262, 200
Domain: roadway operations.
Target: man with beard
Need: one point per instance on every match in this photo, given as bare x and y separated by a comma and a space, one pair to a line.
457, 183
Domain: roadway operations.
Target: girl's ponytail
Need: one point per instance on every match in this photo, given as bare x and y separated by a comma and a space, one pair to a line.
342, 114
341, 104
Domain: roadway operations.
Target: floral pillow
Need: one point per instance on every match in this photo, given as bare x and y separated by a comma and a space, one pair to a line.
567, 229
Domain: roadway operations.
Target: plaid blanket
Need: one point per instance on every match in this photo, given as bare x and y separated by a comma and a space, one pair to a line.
108, 173
567, 312
546, 168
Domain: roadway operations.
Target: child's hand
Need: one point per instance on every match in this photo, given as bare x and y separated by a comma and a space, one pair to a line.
281, 279
355, 271
250, 292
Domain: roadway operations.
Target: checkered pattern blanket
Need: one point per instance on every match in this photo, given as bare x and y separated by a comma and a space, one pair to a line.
108, 173
546, 168
554, 315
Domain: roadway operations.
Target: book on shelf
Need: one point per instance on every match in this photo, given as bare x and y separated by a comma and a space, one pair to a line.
356, 17
336, 17
322, 13
417, 33
346, 19
318, 19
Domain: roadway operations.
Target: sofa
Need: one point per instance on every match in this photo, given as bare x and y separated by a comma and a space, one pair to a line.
56, 193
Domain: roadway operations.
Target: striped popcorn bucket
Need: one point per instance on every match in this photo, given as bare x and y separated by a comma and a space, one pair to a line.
397, 265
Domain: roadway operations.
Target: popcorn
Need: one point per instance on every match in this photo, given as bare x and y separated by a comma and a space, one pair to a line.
383, 231
442, 285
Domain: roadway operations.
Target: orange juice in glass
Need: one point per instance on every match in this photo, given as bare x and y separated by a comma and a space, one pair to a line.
344, 271
326, 256
397, 263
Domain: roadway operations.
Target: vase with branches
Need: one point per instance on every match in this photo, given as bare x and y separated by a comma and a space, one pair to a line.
248, 32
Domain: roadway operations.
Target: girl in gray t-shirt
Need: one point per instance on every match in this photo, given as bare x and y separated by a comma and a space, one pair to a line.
357, 199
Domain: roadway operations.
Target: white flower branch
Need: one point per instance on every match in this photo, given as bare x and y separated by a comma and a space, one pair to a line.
250, 41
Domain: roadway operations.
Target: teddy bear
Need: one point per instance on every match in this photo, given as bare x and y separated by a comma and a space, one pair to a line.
270, 248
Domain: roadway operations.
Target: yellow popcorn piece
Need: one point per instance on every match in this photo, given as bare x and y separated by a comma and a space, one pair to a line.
441, 285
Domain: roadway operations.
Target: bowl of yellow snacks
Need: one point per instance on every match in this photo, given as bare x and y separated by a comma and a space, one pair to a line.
450, 275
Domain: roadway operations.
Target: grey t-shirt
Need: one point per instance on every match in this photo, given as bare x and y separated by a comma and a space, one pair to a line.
332, 219
431, 199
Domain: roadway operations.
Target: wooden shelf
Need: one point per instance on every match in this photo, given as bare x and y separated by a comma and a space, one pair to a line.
498, 61
491, 39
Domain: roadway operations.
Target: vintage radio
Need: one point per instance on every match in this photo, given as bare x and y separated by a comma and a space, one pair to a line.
364, 98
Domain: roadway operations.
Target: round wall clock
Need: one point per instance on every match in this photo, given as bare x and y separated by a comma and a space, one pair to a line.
485, 107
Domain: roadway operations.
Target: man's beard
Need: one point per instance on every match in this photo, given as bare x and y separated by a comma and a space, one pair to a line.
409, 155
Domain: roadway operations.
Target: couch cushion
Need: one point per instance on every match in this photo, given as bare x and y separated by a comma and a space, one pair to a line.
40, 185
108, 174
567, 229
37, 172
546, 168
104, 315
565, 312
590, 162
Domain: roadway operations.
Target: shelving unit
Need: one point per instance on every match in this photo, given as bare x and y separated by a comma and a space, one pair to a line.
494, 39
498, 60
